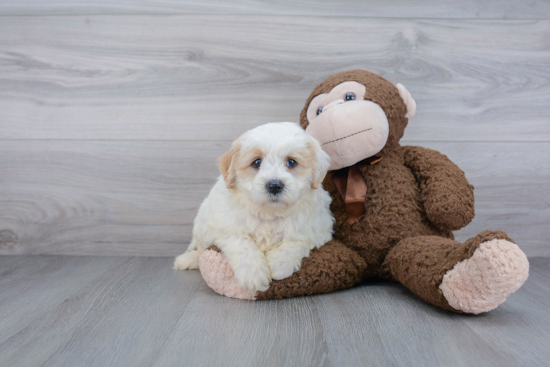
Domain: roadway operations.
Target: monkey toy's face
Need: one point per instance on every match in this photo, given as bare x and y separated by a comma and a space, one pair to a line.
349, 125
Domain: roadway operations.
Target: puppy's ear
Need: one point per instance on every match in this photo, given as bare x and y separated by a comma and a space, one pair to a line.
321, 162
227, 164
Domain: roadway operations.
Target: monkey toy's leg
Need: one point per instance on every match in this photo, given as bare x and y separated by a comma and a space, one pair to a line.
327, 269
471, 277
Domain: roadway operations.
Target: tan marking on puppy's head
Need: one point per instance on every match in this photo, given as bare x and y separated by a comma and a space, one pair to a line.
311, 159
304, 163
227, 164
243, 163
319, 162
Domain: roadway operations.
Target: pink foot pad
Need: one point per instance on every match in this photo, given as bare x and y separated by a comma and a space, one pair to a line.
479, 284
219, 276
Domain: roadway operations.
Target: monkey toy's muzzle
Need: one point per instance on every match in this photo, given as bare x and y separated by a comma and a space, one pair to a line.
350, 131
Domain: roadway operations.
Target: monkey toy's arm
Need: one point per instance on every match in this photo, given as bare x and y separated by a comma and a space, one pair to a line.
448, 197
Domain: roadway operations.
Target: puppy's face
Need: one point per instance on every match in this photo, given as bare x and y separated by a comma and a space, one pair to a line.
274, 164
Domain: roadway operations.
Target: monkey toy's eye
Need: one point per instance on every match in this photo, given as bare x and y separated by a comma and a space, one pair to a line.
319, 111
291, 163
257, 163
350, 96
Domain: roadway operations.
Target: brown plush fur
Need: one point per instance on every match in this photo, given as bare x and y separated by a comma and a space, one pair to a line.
419, 263
332, 267
415, 198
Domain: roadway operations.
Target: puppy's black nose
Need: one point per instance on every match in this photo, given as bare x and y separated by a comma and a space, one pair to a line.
274, 187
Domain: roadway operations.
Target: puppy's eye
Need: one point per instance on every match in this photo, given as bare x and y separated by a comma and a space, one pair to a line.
257, 163
319, 111
350, 96
291, 163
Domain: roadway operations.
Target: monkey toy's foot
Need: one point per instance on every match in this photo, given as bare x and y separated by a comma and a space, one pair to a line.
327, 269
471, 277
479, 284
219, 276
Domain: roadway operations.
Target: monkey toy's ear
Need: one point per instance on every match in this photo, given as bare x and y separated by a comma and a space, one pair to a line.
409, 101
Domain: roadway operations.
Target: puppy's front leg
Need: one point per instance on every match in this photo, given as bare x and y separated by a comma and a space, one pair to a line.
190, 258
248, 263
287, 258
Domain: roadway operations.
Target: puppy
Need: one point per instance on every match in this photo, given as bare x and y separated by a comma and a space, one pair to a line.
267, 210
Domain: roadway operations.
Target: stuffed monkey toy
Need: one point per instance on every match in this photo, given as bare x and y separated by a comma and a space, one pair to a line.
395, 209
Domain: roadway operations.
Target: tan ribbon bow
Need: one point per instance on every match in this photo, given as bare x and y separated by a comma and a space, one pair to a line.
353, 188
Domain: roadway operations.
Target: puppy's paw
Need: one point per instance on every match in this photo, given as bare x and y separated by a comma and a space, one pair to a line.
253, 276
281, 265
188, 260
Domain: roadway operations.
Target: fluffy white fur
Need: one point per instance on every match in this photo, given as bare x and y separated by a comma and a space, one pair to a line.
265, 236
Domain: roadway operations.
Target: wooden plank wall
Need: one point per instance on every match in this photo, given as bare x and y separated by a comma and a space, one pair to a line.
112, 113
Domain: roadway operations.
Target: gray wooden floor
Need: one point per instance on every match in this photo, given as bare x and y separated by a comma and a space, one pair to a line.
137, 311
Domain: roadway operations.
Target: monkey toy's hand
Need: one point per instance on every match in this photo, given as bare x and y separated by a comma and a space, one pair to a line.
448, 197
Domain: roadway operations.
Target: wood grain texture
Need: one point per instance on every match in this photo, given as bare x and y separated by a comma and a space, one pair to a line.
353, 327
32, 286
210, 77
271, 341
143, 313
74, 197
110, 124
140, 197
134, 305
508, 9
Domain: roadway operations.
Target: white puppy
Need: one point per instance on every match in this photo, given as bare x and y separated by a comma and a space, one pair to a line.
267, 210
